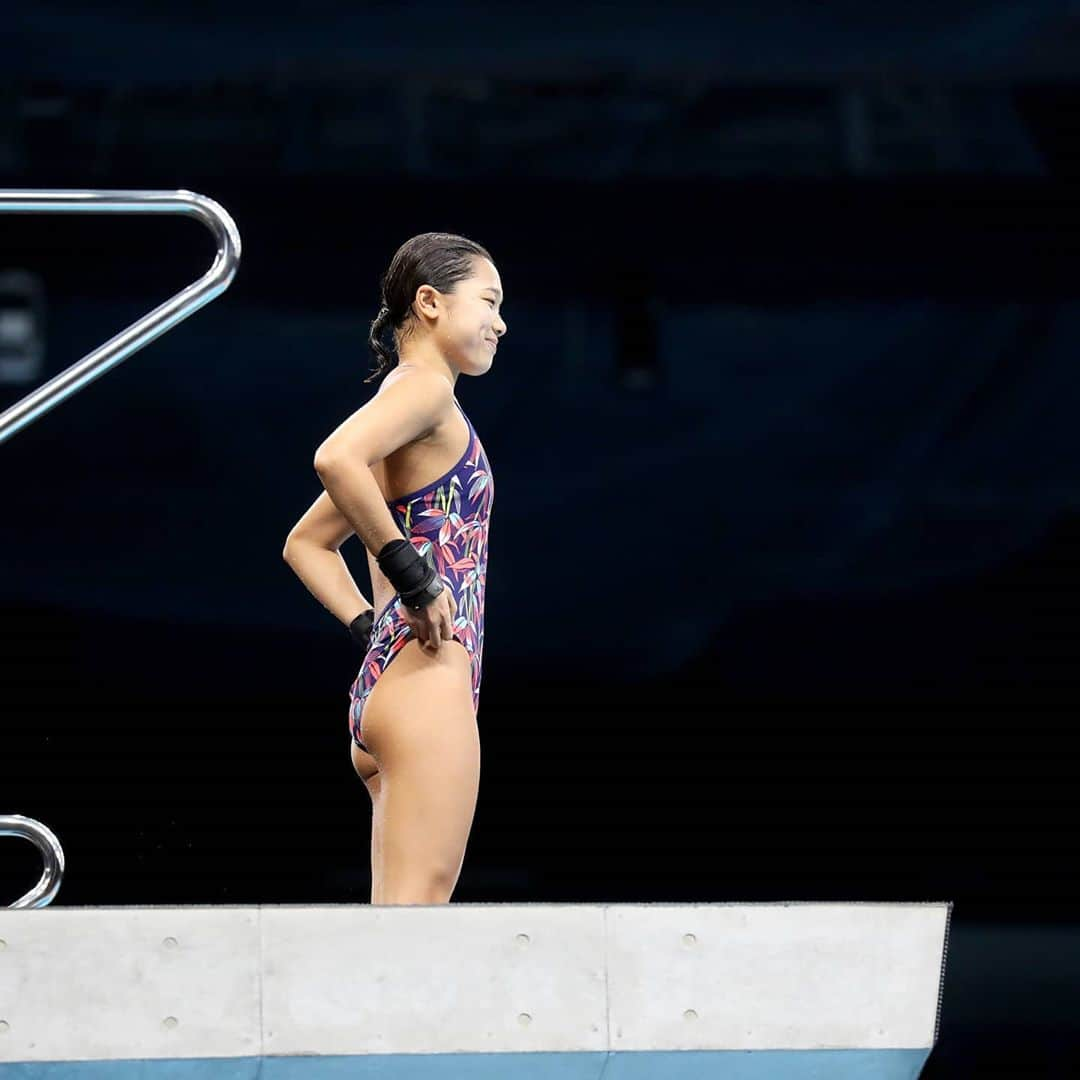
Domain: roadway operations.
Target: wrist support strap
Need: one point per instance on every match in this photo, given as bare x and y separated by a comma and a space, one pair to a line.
360, 627
412, 574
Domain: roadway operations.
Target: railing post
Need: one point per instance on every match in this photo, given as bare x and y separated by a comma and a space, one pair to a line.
159, 321
52, 854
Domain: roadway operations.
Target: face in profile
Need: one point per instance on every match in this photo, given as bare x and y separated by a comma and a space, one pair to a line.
470, 324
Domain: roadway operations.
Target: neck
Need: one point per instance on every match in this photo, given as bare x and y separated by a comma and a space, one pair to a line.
415, 356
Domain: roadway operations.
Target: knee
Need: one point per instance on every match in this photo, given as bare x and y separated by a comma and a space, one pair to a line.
434, 887
415, 895
442, 882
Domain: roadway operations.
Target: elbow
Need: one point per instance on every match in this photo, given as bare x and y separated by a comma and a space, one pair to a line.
335, 459
294, 542
325, 463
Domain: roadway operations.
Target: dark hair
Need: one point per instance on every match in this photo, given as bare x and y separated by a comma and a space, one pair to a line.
437, 259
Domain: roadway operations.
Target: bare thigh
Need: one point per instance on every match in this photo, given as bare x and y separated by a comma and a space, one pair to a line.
421, 730
368, 771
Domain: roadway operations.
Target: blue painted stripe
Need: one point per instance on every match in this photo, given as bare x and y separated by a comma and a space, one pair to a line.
637, 1065
765, 1064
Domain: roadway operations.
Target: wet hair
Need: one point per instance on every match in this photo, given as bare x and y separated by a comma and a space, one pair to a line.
437, 259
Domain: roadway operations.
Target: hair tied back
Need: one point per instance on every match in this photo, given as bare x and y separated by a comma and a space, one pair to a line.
433, 258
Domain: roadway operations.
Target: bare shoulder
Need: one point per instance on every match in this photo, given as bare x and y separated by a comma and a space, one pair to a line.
409, 404
420, 376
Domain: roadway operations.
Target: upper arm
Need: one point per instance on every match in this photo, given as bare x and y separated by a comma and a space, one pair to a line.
399, 413
322, 524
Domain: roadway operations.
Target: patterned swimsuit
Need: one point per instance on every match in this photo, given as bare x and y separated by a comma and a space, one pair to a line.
447, 522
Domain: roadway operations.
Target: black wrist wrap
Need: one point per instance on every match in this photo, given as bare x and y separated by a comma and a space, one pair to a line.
360, 627
413, 575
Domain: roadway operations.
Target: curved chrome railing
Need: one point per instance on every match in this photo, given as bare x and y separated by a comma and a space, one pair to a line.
159, 321
162, 319
52, 855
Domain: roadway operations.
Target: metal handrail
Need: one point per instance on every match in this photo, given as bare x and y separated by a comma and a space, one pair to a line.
52, 855
159, 321
162, 319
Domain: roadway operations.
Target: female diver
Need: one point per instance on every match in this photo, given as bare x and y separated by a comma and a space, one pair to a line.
408, 475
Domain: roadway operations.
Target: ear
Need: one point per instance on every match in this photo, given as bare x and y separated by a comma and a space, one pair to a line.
428, 300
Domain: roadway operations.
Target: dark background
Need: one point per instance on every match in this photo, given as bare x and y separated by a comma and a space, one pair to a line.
783, 558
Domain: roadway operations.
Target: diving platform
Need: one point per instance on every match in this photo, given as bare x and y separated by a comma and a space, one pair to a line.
729, 991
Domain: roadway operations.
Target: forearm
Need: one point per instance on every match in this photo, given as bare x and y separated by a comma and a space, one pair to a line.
311, 549
359, 500
327, 579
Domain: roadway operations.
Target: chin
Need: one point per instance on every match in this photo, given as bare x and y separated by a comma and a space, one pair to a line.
478, 367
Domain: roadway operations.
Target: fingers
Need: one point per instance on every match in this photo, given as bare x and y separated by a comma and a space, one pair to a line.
442, 625
436, 624
445, 630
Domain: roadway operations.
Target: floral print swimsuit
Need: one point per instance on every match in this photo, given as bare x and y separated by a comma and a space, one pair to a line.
447, 523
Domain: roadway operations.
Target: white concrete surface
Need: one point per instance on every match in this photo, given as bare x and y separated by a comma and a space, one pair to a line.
278, 981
